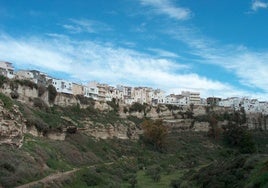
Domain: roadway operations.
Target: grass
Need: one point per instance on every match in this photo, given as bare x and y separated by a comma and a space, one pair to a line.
145, 181
8, 103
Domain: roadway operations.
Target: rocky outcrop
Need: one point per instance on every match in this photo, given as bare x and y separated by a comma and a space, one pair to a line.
128, 130
12, 126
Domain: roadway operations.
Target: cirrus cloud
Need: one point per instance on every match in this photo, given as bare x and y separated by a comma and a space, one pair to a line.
166, 7
87, 60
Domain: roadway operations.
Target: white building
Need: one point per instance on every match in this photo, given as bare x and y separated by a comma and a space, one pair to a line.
117, 94
40, 78
194, 97
178, 100
157, 96
25, 75
91, 92
141, 95
6, 69
62, 86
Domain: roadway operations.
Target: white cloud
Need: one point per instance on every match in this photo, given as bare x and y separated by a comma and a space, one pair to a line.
166, 7
85, 25
163, 53
86, 60
249, 67
256, 5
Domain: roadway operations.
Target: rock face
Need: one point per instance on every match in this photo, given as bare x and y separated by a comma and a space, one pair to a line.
117, 130
12, 126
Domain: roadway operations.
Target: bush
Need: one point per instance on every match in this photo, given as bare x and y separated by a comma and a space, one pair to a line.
154, 172
14, 95
8, 103
155, 134
91, 178
3, 80
239, 137
39, 124
113, 104
39, 103
8, 167
41, 90
52, 93
137, 107
85, 100
27, 83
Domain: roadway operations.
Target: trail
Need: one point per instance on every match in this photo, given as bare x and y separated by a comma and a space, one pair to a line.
56, 176
50, 178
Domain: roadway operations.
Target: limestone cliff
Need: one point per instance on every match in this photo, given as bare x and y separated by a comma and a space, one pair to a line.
12, 126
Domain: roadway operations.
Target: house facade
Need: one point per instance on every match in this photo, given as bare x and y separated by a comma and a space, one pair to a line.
7, 69
62, 86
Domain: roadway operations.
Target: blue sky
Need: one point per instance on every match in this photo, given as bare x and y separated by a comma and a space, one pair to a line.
219, 48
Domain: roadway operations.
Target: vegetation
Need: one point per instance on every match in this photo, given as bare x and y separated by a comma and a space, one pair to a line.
26, 83
85, 100
52, 93
155, 134
137, 107
114, 105
230, 156
239, 137
8, 103
3, 80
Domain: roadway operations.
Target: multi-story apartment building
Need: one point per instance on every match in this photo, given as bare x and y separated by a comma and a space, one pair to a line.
141, 95
91, 92
101, 88
6, 69
62, 86
77, 89
213, 101
25, 75
194, 97
40, 78
178, 100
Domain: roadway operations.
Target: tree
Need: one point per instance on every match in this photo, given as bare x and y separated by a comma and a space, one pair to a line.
155, 133
214, 130
154, 172
52, 93
239, 137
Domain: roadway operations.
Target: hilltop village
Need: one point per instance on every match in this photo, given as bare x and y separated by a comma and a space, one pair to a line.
130, 95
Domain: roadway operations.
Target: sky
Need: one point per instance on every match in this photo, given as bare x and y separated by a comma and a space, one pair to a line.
218, 48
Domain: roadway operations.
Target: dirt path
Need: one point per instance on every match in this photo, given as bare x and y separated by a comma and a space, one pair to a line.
56, 176
50, 178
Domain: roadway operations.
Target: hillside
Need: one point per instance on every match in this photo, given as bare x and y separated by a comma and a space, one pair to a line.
102, 144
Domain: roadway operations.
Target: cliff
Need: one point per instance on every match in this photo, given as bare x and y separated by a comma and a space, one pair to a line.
98, 119
12, 125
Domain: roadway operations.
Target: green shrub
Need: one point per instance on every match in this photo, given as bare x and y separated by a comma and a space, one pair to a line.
41, 90
39, 124
14, 95
52, 93
113, 104
137, 107
154, 172
8, 167
85, 100
239, 137
27, 83
39, 103
91, 178
3, 80
8, 103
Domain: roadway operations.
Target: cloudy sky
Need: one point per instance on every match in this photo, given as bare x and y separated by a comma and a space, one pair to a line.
219, 48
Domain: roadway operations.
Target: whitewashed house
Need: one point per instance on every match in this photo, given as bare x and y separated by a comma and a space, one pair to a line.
91, 92
25, 75
62, 86
6, 69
